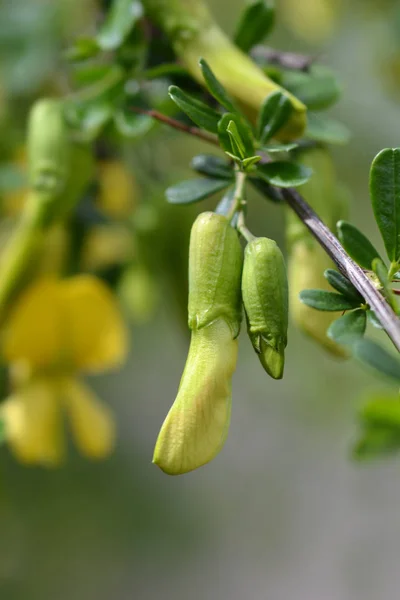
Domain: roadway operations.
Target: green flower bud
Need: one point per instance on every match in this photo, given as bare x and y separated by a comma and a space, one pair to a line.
196, 427
197, 424
48, 148
265, 299
215, 269
307, 260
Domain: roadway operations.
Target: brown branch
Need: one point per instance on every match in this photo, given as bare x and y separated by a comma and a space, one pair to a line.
286, 60
388, 319
194, 131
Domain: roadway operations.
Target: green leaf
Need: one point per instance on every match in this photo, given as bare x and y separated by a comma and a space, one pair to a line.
318, 89
215, 88
238, 148
341, 284
248, 163
194, 190
200, 113
82, 49
235, 135
384, 185
373, 319
356, 244
327, 301
276, 147
90, 118
274, 113
2, 431
168, 70
380, 421
382, 411
212, 166
133, 126
321, 128
284, 174
373, 355
255, 23
349, 327
120, 20
376, 442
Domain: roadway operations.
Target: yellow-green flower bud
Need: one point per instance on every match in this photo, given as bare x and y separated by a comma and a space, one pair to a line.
215, 269
307, 264
307, 260
48, 148
265, 299
196, 427
197, 424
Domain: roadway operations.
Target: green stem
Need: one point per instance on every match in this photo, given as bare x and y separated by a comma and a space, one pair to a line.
242, 229
238, 197
22, 251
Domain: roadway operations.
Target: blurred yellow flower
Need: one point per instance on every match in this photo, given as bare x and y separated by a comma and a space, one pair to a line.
117, 192
55, 330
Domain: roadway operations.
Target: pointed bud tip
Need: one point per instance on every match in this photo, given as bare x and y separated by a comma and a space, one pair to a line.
273, 359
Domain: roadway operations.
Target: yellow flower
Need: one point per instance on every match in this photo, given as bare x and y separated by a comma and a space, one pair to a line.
117, 189
55, 330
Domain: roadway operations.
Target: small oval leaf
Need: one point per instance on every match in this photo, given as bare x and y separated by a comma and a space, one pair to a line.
341, 284
284, 174
349, 327
274, 113
321, 128
216, 88
197, 111
318, 89
384, 185
235, 135
356, 244
255, 23
212, 166
194, 190
121, 18
327, 301
373, 355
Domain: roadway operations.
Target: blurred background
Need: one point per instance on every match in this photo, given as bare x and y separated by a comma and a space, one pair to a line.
282, 513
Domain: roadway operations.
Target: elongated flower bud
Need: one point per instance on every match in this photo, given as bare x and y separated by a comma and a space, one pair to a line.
215, 268
48, 148
307, 264
307, 260
265, 299
197, 424
196, 427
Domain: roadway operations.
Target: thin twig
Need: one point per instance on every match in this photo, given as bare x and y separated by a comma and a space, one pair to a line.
194, 131
287, 60
346, 265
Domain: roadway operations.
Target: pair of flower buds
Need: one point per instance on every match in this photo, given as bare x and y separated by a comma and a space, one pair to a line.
196, 426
